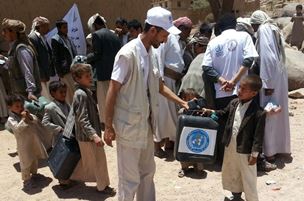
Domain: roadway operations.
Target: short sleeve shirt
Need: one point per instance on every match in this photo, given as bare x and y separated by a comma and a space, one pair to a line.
226, 54
121, 68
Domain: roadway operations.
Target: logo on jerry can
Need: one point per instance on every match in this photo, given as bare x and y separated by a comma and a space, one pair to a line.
197, 140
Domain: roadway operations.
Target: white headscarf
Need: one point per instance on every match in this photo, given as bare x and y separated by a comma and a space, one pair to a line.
259, 17
243, 24
92, 20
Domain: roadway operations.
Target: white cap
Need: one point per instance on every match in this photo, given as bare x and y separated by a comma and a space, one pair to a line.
158, 16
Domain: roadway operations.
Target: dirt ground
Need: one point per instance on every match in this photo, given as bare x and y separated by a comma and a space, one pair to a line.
289, 177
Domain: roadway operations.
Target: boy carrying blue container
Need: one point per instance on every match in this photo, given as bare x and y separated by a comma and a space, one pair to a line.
243, 139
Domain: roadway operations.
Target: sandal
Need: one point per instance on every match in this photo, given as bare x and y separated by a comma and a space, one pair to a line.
266, 166
181, 173
28, 185
169, 145
108, 191
270, 159
66, 184
160, 153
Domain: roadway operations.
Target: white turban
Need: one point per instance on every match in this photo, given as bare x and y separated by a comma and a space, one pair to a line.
259, 17
92, 20
243, 24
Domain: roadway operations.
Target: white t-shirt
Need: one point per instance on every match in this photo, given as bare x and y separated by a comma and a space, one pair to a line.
170, 55
121, 70
226, 54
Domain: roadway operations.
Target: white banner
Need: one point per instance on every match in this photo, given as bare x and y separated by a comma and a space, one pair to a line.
197, 141
75, 33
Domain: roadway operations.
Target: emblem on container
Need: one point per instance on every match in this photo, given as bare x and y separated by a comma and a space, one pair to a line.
197, 140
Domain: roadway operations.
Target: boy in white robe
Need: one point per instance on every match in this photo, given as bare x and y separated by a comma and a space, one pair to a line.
29, 146
92, 166
243, 139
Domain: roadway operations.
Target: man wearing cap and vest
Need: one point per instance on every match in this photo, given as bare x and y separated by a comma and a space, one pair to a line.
40, 28
132, 106
23, 67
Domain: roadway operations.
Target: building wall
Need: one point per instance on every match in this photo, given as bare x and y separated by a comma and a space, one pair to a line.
27, 10
181, 8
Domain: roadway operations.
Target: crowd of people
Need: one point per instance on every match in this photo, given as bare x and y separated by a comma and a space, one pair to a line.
143, 75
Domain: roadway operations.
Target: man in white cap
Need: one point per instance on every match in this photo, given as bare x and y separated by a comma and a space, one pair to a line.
132, 105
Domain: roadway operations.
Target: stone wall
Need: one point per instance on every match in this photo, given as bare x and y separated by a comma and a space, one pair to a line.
245, 8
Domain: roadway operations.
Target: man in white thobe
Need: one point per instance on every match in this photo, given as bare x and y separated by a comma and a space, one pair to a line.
273, 73
171, 65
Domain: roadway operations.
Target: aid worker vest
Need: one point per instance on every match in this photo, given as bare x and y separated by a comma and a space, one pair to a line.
135, 110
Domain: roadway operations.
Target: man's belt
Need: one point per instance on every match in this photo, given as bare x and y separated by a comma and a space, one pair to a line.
172, 74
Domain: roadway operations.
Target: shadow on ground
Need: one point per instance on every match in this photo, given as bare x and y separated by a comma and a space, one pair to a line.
40, 181
79, 191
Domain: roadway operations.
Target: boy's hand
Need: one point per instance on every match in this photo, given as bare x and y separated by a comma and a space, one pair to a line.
274, 110
207, 111
23, 114
109, 136
252, 160
98, 141
26, 116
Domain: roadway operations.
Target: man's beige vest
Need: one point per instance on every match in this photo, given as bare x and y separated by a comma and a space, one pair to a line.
135, 111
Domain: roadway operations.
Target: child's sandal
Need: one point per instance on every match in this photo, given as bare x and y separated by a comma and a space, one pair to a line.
181, 173
108, 191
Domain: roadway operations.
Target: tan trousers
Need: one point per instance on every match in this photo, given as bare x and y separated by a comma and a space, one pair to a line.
26, 172
102, 90
45, 90
136, 169
68, 80
92, 166
237, 175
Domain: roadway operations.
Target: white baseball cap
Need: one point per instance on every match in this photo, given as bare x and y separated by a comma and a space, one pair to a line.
158, 16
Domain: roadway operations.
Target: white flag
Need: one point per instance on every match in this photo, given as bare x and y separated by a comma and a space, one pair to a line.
75, 33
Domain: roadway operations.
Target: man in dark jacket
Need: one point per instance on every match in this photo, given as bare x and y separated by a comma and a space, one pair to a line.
106, 44
63, 53
40, 28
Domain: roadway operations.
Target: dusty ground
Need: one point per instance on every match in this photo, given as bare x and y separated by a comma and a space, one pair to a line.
289, 177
